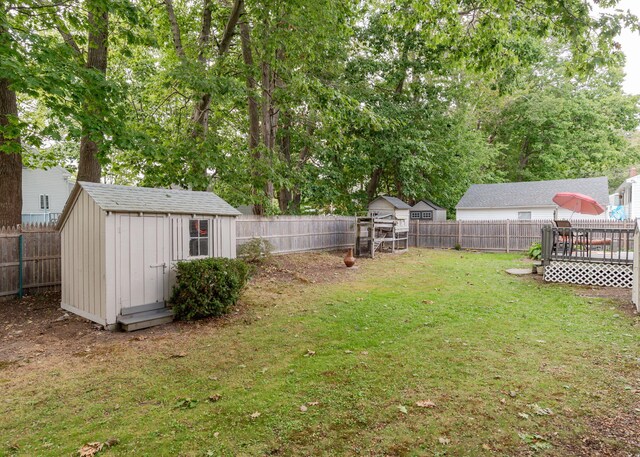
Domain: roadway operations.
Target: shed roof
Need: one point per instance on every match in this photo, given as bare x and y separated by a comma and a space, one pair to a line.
534, 193
127, 199
428, 203
396, 202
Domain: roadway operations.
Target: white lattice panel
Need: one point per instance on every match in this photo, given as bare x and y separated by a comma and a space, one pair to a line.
592, 274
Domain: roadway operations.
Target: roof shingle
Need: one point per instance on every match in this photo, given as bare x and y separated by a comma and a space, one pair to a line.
534, 193
115, 198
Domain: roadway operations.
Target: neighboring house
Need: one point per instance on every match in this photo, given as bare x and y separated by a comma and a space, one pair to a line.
624, 197
391, 206
44, 193
426, 210
528, 200
119, 245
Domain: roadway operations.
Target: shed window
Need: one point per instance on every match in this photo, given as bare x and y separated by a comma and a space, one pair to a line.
427, 215
44, 201
524, 215
198, 237
415, 214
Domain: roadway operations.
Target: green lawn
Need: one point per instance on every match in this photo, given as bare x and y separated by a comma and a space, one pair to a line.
513, 367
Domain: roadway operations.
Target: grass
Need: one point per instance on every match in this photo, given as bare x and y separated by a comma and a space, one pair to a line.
495, 353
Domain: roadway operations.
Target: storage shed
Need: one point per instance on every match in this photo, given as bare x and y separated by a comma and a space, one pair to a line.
119, 244
426, 210
391, 206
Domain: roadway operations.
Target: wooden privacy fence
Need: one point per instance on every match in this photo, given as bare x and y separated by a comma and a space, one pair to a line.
298, 233
29, 258
498, 235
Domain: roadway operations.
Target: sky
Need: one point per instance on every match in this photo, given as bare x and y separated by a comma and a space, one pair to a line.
630, 42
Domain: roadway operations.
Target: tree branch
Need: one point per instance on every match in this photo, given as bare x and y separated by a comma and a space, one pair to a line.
225, 42
175, 29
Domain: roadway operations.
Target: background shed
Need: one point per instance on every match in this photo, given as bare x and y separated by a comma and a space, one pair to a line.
391, 206
426, 210
119, 244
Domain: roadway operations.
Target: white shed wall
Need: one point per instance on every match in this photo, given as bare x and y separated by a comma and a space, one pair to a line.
482, 214
83, 260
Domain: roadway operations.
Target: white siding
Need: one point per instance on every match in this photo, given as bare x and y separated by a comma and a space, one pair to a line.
53, 182
634, 205
381, 205
547, 213
83, 266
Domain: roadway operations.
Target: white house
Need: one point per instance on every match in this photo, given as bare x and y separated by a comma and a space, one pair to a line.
426, 210
119, 244
529, 200
44, 193
624, 196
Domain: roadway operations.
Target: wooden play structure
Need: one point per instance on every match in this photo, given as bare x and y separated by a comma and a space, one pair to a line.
384, 228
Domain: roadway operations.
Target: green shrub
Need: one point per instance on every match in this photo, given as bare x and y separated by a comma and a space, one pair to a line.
256, 251
207, 287
535, 251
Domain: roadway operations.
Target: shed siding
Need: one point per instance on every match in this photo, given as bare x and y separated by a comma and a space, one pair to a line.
467, 214
82, 260
635, 201
381, 205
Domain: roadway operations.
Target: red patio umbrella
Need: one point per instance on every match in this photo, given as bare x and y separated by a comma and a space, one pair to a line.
578, 203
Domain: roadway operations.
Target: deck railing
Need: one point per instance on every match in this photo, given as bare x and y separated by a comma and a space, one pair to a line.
592, 245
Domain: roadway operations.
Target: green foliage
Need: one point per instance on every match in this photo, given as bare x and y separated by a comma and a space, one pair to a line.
256, 251
207, 287
535, 251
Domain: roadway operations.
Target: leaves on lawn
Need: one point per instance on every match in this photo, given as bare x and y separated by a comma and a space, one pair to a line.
186, 403
91, 449
540, 411
178, 355
255, 415
310, 353
403, 409
425, 404
303, 408
444, 440
428, 302
214, 398
523, 415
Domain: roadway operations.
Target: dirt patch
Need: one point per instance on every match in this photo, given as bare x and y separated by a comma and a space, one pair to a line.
619, 296
311, 268
612, 436
36, 328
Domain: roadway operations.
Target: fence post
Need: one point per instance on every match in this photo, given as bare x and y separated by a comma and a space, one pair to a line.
508, 236
20, 266
459, 224
547, 244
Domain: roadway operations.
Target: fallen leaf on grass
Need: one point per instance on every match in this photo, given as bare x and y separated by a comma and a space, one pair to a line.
540, 411
523, 415
303, 408
444, 440
425, 404
348, 352
255, 415
91, 449
214, 398
403, 409
178, 356
428, 302
313, 403
310, 353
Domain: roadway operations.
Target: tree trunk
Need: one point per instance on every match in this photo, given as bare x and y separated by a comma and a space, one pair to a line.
89, 166
10, 161
254, 119
372, 187
285, 196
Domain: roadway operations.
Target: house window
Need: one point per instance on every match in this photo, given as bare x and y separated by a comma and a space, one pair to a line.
44, 201
427, 215
524, 215
415, 214
198, 237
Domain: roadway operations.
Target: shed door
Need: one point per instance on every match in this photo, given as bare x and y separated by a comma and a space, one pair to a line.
143, 250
